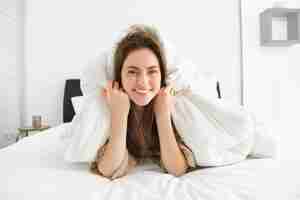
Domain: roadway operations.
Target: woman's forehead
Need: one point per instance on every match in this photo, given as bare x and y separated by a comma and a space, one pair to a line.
141, 59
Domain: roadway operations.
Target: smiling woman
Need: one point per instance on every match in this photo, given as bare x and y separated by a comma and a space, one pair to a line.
141, 82
140, 103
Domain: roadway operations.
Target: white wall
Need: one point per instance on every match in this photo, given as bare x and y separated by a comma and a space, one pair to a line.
272, 79
10, 65
61, 36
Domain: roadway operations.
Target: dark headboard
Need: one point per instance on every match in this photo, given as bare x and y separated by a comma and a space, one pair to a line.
72, 89
218, 90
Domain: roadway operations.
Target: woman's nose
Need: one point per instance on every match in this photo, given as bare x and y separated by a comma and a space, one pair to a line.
142, 79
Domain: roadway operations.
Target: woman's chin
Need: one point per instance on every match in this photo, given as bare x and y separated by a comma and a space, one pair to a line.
141, 102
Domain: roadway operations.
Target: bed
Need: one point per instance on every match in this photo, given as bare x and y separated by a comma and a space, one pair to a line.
34, 168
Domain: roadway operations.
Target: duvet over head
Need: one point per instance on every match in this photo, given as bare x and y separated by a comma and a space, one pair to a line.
218, 132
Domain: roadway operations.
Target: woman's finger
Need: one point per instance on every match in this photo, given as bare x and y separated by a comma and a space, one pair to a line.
109, 86
116, 85
161, 90
103, 91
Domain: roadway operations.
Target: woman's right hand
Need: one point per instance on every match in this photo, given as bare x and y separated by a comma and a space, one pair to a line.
116, 98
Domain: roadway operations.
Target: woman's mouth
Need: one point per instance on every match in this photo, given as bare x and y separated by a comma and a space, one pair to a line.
142, 97
142, 92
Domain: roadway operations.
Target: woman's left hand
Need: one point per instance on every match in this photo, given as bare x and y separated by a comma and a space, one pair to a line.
164, 102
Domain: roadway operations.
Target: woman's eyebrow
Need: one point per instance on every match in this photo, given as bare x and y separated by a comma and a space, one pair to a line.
137, 68
132, 67
153, 67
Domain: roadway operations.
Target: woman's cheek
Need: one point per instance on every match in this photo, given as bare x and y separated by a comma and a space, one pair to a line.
126, 85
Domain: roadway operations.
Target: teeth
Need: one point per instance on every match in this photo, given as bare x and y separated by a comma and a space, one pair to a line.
142, 91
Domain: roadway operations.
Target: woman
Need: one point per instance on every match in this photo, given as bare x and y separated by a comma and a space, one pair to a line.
141, 105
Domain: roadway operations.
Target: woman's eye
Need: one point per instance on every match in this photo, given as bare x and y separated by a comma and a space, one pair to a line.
153, 71
131, 72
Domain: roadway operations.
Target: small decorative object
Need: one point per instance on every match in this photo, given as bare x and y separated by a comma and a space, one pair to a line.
279, 26
36, 121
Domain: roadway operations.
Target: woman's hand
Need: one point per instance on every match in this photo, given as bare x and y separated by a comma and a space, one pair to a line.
116, 98
164, 102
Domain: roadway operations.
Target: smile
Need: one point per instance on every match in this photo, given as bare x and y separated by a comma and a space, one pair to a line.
142, 91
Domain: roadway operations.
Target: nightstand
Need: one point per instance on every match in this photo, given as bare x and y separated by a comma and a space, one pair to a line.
24, 131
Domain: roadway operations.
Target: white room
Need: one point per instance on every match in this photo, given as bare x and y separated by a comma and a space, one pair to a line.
44, 43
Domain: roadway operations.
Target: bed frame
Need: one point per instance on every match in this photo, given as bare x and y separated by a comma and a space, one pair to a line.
72, 89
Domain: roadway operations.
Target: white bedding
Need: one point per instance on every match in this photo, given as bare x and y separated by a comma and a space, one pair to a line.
34, 169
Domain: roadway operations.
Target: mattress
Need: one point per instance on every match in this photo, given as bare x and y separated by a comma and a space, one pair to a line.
34, 168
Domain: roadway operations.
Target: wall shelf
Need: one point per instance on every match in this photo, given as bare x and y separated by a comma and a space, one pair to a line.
288, 31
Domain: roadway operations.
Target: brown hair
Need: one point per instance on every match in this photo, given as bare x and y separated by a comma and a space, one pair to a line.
142, 134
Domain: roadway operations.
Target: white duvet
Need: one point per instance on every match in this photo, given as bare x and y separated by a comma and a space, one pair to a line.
217, 131
34, 169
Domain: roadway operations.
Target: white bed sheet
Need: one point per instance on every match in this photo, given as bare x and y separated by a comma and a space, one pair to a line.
34, 169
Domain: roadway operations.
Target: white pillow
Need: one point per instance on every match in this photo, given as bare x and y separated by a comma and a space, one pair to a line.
77, 103
265, 143
89, 129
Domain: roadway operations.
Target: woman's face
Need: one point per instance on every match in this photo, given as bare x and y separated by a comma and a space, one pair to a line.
141, 76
